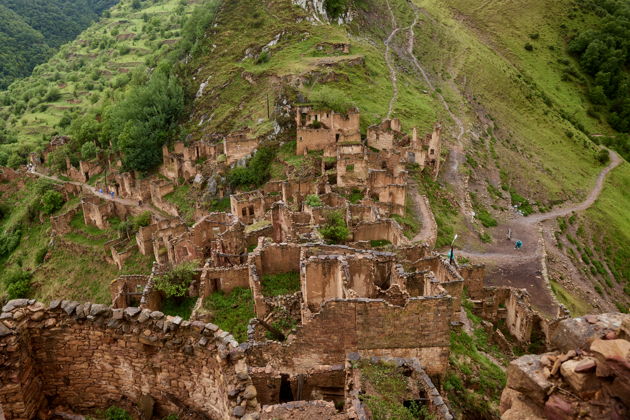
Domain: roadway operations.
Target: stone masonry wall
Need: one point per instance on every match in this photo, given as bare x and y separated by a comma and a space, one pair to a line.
371, 327
87, 356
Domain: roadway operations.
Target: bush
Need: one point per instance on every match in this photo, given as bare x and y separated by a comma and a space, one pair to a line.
257, 171
51, 201
335, 8
9, 241
117, 413
88, 150
529, 47
335, 230
17, 284
15, 161
313, 200
176, 282
603, 156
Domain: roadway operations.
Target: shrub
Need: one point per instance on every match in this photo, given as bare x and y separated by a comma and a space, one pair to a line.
256, 172
15, 160
603, 156
486, 218
117, 413
51, 201
9, 241
17, 284
335, 8
88, 150
313, 200
529, 47
335, 230
175, 283
263, 58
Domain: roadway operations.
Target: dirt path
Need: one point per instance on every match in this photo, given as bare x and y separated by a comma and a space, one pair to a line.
104, 196
526, 268
428, 231
456, 150
390, 65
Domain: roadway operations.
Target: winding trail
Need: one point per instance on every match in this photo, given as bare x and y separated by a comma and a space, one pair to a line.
390, 65
456, 152
428, 231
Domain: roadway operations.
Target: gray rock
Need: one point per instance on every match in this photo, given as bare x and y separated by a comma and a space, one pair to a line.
4, 330
144, 315
6, 315
177, 320
55, 304
15, 303
525, 375
69, 306
157, 315
238, 411
132, 311
98, 309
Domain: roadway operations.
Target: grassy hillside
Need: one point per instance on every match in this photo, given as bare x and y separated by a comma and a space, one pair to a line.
31, 30
88, 71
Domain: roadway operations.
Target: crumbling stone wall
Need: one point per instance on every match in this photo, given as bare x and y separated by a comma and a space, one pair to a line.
371, 327
323, 130
382, 229
239, 145
419, 386
87, 356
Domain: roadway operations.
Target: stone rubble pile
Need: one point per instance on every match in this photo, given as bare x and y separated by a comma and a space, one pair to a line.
590, 381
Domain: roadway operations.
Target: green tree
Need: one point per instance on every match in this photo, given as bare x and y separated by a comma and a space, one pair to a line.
51, 202
88, 150
335, 229
144, 120
175, 283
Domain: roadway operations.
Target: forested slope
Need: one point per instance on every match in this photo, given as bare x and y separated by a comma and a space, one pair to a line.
30, 30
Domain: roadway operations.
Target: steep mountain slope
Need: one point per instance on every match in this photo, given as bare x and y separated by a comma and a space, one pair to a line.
31, 30
520, 130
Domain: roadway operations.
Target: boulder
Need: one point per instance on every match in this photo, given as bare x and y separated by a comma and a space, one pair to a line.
525, 375
614, 350
580, 382
574, 333
515, 406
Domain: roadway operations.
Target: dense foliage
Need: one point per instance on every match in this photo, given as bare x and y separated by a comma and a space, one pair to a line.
604, 54
335, 229
31, 29
257, 171
145, 120
175, 282
17, 284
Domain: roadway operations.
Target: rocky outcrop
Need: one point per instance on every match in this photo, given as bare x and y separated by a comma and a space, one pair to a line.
589, 379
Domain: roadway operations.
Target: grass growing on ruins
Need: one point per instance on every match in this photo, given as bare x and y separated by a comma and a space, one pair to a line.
474, 382
409, 221
231, 311
574, 304
182, 198
280, 284
447, 218
181, 306
387, 388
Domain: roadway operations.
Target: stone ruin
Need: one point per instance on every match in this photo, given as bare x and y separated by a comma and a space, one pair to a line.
396, 304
